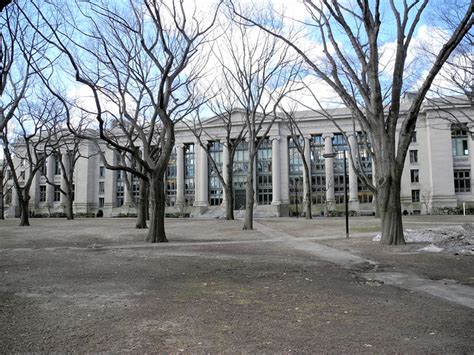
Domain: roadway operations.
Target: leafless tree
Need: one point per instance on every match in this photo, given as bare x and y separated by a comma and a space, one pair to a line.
27, 144
351, 35
141, 59
260, 70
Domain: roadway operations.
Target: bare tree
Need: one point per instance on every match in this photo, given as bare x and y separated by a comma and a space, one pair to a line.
350, 36
141, 58
29, 142
260, 71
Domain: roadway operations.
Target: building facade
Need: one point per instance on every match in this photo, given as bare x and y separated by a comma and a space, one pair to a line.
437, 177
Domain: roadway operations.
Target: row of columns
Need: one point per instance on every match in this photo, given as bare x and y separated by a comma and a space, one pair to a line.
278, 146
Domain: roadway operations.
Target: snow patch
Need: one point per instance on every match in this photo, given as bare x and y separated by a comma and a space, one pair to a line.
431, 249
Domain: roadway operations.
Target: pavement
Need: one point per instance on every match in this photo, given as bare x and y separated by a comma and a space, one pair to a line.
290, 285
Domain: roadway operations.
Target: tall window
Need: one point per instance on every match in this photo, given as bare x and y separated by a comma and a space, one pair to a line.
413, 138
462, 180
295, 172
189, 182
43, 193
264, 172
240, 169
215, 186
136, 188
101, 202
415, 195
339, 146
413, 156
318, 172
101, 187
43, 169
459, 140
171, 180
363, 192
57, 164
120, 193
101, 171
57, 193
415, 175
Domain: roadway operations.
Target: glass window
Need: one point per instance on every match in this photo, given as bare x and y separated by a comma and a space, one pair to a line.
57, 165
415, 195
295, 172
415, 175
413, 156
264, 172
189, 182
171, 180
318, 170
413, 138
215, 186
57, 193
43, 193
120, 193
462, 180
101, 187
101, 171
459, 140
339, 146
101, 202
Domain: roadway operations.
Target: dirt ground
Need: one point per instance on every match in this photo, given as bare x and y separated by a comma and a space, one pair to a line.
93, 285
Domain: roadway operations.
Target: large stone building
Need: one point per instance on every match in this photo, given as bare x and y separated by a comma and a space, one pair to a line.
437, 175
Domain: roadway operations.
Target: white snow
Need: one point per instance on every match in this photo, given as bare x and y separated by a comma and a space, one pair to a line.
451, 239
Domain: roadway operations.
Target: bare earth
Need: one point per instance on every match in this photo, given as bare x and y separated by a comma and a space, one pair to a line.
93, 285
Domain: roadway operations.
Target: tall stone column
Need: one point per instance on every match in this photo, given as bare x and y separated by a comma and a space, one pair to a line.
50, 175
65, 160
179, 174
307, 158
109, 193
285, 176
14, 209
202, 177
329, 166
225, 161
276, 171
353, 184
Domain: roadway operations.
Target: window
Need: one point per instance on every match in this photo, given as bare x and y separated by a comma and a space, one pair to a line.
264, 173
318, 170
136, 188
43, 193
415, 195
413, 156
462, 180
171, 180
415, 175
189, 185
101, 171
339, 146
8, 197
295, 171
413, 138
101, 202
101, 187
215, 186
459, 140
57, 165
57, 193
42, 160
120, 193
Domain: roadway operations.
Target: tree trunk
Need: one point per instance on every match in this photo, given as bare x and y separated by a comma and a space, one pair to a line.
156, 233
390, 212
142, 205
229, 195
69, 208
249, 197
24, 217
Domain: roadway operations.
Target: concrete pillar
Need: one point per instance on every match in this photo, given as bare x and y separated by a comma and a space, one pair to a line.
307, 158
127, 200
109, 193
276, 171
202, 177
225, 161
285, 176
14, 209
329, 165
353, 184
180, 174
50, 162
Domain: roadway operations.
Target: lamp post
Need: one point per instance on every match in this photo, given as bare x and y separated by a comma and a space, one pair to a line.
346, 201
